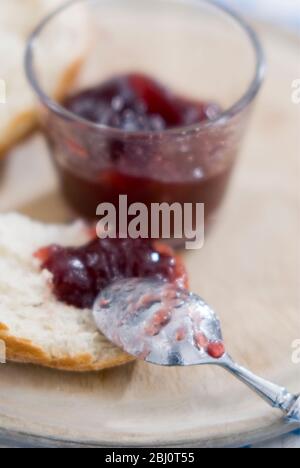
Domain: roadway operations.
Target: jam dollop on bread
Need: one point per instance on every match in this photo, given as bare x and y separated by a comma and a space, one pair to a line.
80, 274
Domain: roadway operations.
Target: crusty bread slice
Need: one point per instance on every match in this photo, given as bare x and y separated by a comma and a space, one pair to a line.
35, 327
18, 18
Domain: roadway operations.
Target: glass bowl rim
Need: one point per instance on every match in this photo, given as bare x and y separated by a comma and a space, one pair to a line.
228, 114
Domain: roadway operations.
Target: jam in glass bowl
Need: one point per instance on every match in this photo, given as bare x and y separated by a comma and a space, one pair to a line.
160, 105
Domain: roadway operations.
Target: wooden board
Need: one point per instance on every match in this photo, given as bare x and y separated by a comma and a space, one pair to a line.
248, 270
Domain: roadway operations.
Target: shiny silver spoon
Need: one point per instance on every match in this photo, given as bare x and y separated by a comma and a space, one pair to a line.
168, 326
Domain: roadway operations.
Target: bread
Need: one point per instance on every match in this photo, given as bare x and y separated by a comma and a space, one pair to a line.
35, 327
18, 18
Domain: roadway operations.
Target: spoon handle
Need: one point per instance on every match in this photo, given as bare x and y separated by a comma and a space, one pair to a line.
276, 396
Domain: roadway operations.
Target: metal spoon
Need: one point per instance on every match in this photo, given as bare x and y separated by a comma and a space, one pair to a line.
162, 324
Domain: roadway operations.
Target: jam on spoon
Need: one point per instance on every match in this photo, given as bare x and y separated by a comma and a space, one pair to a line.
80, 274
159, 321
127, 310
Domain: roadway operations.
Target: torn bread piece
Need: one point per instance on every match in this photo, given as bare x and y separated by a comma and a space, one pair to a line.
35, 327
61, 63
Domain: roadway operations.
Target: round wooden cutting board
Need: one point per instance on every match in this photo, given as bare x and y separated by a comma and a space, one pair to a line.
248, 271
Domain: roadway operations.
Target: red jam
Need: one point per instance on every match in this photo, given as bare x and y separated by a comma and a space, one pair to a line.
216, 349
136, 102
85, 195
97, 166
80, 274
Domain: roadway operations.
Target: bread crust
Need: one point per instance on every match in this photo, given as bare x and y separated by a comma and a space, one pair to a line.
19, 127
24, 123
24, 351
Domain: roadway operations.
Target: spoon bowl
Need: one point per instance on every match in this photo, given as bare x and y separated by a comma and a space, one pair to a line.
160, 323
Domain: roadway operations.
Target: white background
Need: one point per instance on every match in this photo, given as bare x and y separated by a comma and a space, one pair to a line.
283, 12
